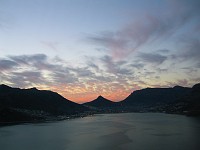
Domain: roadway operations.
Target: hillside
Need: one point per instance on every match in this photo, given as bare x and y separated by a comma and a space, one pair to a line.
188, 104
36, 103
152, 96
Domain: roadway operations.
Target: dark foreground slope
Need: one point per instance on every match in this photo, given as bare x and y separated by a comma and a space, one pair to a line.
189, 104
178, 99
153, 96
32, 104
150, 99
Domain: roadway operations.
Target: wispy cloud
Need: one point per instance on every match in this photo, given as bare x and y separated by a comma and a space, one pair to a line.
115, 67
148, 28
152, 58
34, 70
26, 78
112, 78
40, 70
137, 65
6, 64
29, 59
190, 49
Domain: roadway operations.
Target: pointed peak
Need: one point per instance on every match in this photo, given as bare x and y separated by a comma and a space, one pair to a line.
100, 96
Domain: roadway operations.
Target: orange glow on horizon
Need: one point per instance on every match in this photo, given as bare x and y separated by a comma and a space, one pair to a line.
86, 92
80, 94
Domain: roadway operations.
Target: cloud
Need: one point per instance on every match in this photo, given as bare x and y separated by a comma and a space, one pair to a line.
117, 46
191, 49
115, 67
29, 59
137, 65
94, 66
100, 75
25, 70
27, 78
39, 69
159, 70
63, 77
83, 72
152, 58
39, 61
148, 28
7, 64
182, 82
163, 51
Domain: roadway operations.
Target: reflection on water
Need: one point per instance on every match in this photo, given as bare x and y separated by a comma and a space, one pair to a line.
138, 131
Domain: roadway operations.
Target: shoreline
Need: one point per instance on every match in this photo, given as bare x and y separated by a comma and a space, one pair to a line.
61, 118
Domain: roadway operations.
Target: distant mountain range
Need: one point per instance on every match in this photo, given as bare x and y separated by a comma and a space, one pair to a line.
178, 99
32, 104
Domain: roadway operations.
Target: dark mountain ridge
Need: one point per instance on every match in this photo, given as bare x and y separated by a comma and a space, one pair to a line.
32, 104
100, 102
102, 105
153, 96
36, 102
188, 104
175, 99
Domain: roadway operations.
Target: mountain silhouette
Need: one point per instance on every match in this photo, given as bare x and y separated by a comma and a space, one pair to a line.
153, 96
32, 104
189, 103
101, 102
181, 100
103, 105
31, 101
176, 99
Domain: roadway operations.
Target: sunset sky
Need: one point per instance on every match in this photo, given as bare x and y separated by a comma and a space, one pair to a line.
85, 48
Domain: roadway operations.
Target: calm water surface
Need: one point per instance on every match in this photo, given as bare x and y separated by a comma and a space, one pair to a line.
132, 131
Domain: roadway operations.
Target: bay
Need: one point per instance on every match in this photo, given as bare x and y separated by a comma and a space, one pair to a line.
126, 131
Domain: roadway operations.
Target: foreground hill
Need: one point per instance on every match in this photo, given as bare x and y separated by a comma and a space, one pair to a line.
182, 100
28, 104
188, 104
155, 96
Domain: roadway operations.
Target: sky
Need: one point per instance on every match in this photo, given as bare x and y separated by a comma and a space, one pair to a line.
85, 48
